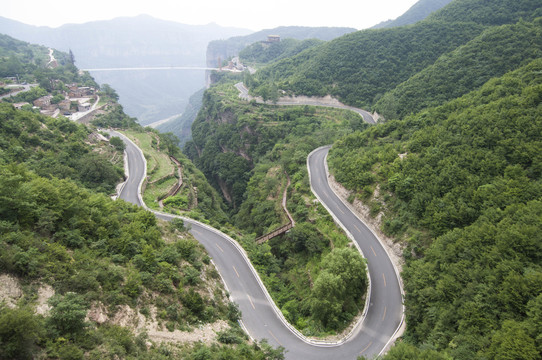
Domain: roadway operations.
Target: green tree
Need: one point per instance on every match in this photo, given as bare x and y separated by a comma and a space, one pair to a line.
405, 351
109, 92
339, 287
326, 303
304, 236
533, 324
349, 265
20, 330
68, 313
57, 98
117, 143
511, 342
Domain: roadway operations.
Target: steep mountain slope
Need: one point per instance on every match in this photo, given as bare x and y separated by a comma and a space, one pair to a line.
496, 12
461, 184
261, 53
19, 57
492, 54
417, 12
140, 41
230, 136
359, 68
53, 147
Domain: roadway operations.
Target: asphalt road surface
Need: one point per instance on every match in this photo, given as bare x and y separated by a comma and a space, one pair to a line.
296, 101
24, 88
260, 317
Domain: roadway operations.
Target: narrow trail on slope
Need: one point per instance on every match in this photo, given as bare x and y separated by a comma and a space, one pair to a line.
281, 230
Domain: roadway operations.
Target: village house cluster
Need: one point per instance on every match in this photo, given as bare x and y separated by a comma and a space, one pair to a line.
76, 99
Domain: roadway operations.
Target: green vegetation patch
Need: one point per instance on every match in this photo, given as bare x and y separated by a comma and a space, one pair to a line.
202, 201
92, 251
465, 195
159, 165
59, 148
491, 54
248, 151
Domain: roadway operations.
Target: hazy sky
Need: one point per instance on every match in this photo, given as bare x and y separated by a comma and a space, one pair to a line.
250, 14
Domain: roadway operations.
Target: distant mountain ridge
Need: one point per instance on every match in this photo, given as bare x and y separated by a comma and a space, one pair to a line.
417, 12
125, 41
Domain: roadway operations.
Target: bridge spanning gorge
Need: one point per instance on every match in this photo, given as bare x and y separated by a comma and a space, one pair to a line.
199, 68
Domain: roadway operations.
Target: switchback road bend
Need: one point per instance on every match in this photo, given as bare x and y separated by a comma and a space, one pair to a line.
260, 316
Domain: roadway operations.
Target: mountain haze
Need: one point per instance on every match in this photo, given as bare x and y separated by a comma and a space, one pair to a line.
140, 41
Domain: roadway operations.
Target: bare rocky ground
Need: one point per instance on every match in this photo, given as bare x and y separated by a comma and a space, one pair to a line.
11, 291
128, 317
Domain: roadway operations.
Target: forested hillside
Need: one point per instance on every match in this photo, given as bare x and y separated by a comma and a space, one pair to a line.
19, 57
230, 136
493, 13
105, 260
83, 276
465, 198
361, 67
358, 68
57, 147
261, 53
495, 52
31, 63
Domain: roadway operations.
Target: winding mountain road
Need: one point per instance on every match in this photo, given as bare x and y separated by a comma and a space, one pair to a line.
24, 88
260, 317
303, 100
